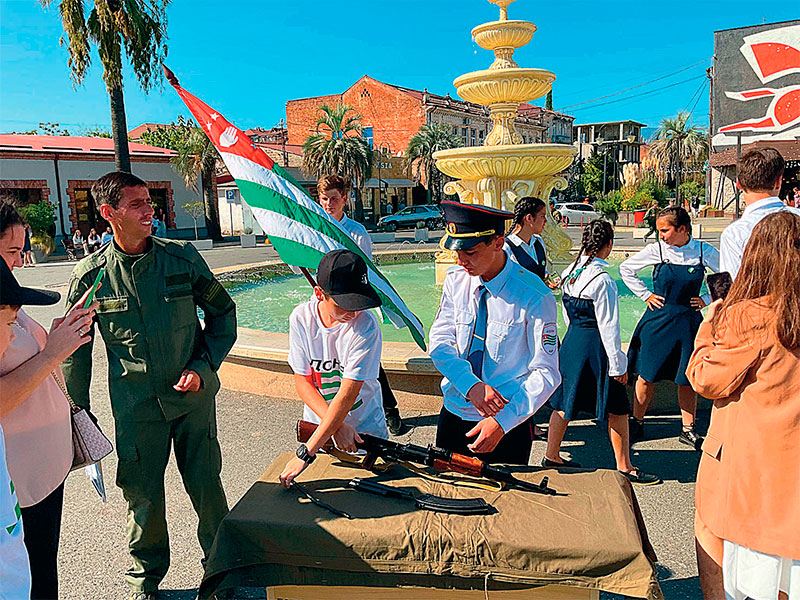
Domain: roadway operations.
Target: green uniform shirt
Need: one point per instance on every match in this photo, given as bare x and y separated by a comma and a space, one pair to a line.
148, 319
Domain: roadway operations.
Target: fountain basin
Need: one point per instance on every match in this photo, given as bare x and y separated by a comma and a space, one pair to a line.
503, 34
510, 161
491, 86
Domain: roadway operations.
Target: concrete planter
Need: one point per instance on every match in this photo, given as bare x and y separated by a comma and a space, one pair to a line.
202, 244
420, 235
382, 237
248, 240
38, 255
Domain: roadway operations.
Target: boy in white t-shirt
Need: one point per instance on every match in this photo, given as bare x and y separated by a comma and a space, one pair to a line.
335, 353
15, 572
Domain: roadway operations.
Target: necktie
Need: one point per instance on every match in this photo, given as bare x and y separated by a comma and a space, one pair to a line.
477, 344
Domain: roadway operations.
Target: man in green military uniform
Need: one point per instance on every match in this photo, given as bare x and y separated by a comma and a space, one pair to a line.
162, 370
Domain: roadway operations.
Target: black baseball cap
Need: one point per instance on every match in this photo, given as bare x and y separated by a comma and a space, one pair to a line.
342, 275
470, 224
13, 294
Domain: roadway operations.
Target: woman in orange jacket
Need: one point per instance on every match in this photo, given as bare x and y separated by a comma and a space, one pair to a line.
747, 359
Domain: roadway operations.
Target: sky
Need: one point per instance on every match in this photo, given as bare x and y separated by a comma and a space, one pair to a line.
246, 58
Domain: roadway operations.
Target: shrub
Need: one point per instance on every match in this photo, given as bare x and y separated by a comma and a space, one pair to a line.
248, 230
420, 225
656, 191
41, 217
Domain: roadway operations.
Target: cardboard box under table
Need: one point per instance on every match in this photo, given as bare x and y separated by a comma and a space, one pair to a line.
589, 538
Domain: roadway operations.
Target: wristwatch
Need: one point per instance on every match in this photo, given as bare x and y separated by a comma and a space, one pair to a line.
304, 455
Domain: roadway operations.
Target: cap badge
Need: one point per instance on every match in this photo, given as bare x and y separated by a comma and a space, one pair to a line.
451, 228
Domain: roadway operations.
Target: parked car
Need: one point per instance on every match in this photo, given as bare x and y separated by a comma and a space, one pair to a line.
576, 213
411, 215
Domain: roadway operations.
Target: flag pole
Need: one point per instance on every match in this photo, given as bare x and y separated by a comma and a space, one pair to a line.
309, 278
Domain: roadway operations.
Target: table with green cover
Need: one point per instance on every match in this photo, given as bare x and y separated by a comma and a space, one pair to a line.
590, 536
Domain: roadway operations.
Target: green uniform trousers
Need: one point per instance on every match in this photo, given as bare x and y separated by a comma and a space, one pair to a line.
143, 449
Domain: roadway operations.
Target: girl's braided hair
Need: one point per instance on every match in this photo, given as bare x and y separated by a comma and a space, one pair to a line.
596, 236
527, 205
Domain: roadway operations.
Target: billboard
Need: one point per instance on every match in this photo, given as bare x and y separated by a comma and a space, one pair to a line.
756, 91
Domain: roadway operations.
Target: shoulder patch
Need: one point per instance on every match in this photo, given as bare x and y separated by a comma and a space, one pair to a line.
550, 338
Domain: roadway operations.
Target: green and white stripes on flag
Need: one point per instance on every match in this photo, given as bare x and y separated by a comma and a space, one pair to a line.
299, 229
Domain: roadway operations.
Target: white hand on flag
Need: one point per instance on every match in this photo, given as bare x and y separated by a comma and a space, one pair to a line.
228, 137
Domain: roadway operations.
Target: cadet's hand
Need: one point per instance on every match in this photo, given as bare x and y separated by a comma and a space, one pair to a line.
655, 301
489, 435
346, 438
486, 399
712, 310
697, 303
293, 468
623, 379
189, 382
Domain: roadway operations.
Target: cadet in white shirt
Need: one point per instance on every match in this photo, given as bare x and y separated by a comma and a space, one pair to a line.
332, 191
663, 340
494, 339
759, 176
594, 369
334, 351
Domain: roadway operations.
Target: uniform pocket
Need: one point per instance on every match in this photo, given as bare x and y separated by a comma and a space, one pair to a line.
713, 447
114, 316
502, 339
180, 307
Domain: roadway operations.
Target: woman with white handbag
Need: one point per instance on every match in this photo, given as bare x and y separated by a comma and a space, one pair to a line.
36, 417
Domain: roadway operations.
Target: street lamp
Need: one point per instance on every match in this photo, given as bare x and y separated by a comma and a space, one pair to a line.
384, 147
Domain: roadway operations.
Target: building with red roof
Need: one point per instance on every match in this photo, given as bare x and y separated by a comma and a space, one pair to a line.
62, 170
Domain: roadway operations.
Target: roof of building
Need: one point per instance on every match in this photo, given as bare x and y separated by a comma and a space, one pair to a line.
789, 149
137, 132
610, 123
756, 25
73, 144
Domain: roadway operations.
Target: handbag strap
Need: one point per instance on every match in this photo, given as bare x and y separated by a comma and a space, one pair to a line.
75, 408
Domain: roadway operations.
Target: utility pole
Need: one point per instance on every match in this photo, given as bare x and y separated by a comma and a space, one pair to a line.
605, 159
284, 132
710, 75
738, 156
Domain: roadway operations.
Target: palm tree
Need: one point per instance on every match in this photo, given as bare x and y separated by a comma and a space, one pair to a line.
677, 142
136, 26
196, 155
419, 156
336, 146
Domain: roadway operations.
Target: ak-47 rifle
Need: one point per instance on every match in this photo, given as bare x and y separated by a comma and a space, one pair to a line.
438, 459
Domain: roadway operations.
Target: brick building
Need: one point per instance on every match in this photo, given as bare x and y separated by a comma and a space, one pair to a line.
391, 115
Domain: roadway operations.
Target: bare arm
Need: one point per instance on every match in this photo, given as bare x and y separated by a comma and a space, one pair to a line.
335, 414
309, 394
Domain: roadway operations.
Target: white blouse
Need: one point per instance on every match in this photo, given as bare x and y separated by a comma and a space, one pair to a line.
602, 290
688, 254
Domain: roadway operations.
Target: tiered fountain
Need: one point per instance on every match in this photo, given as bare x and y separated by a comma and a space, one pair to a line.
504, 168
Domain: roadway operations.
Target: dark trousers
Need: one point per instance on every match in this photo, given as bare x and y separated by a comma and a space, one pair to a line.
42, 523
387, 395
143, 449
513, 449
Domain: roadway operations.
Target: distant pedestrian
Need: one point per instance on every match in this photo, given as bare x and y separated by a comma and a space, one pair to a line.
796, 197
650, 219
93, 240
27, 253
108, 235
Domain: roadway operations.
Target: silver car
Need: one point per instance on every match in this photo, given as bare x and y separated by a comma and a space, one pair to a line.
576, 213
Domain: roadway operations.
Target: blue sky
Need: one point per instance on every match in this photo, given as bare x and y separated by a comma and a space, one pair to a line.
246, 58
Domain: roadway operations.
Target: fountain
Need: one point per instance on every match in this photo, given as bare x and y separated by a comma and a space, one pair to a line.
504, 168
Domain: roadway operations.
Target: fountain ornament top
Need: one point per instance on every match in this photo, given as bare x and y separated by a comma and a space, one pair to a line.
505, 168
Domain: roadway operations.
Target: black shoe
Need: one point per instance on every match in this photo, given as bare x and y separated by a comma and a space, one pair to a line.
635, 430
568, 464
690, 437
640, 477
542, 437
394, 423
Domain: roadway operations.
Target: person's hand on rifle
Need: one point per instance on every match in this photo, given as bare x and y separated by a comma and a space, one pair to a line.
489, 435
346, 438
486, 399
293, 468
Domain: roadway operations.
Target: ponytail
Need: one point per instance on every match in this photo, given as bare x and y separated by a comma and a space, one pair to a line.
596, 236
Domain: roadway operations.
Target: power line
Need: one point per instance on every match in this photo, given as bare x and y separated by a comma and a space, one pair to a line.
634, 87
698, 98
642, 93
696, 92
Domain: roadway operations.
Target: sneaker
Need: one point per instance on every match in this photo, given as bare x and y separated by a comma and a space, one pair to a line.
394, 423
690, 437
639, 477
551, 464
635, 430
143, 596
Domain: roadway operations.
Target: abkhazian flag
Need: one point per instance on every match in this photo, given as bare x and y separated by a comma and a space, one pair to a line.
299, 229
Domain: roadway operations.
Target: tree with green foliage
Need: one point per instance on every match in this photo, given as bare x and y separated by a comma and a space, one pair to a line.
336, 146
133, 28
548, 101
42, 219
592, 177
195, 210
195, 157
419, 159
677, 144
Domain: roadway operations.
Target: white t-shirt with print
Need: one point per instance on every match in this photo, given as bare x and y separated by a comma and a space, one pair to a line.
345, 351
15, 571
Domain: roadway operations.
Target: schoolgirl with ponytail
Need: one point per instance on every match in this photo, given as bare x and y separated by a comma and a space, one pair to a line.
592, 364
523, 242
